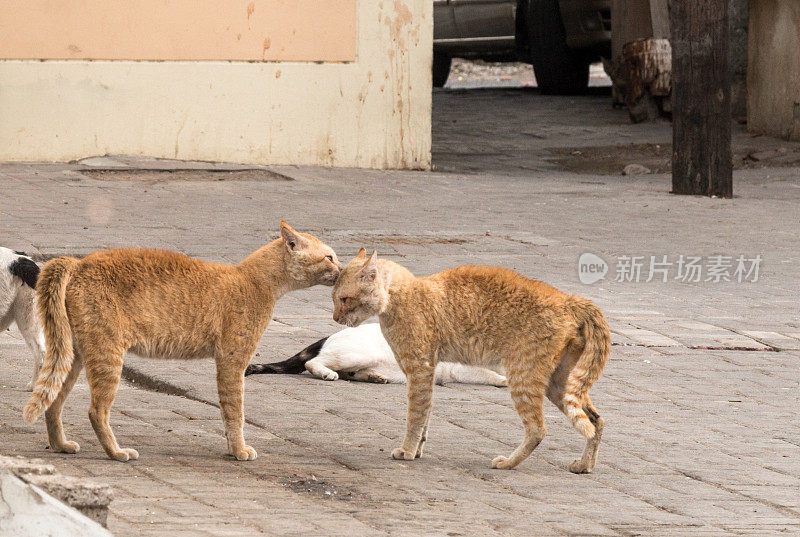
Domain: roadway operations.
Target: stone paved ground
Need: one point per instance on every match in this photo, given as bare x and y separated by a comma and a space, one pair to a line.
466, 73
701, 438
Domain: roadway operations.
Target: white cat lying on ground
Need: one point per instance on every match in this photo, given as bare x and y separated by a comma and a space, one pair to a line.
361, 353
18, 275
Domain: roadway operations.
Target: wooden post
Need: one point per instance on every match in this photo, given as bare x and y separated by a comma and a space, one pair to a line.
632, 20
701, 104
648, 66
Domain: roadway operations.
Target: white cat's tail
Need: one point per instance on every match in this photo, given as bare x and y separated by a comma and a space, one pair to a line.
596, 348
455, 372
50, 294
293, 366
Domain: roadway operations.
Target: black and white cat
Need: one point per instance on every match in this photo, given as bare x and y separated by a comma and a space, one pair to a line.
18, 275
362, 353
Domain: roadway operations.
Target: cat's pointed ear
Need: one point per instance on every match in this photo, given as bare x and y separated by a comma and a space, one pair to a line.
291, 238
361, 255
370, 270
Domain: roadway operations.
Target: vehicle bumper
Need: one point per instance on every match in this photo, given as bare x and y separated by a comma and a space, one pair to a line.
587, 24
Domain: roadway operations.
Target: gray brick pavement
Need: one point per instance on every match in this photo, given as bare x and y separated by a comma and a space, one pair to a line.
693, 446
701, 439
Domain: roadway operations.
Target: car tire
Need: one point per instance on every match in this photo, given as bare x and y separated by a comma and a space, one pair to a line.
559, 70
441, 69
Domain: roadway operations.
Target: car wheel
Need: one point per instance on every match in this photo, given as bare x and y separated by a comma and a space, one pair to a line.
441, 69
559, 70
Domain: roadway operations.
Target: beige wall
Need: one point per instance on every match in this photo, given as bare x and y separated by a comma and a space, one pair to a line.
773, 72
371, 112
289, 30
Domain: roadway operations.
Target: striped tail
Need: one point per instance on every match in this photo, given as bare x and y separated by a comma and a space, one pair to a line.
596, 348
50, 300
293, 366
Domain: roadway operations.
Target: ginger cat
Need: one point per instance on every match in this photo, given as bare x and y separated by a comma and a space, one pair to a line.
162, 305
550, 344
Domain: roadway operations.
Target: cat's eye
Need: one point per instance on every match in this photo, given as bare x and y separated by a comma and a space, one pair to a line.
343, 300
329, 258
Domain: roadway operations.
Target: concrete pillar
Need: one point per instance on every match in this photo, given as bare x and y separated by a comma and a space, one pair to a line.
773, 73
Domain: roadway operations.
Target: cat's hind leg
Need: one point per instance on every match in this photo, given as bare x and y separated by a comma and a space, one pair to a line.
586, 463
367, 375
317, 367
527, 392
423, 438
37, 365
579, 410
477, 375
103, 371
55, 428
25, 317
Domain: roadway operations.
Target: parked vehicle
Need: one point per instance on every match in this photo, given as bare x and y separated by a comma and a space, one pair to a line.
560, 38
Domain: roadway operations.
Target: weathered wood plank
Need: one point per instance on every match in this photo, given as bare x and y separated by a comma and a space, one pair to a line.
634, 20
648, 65
701, 159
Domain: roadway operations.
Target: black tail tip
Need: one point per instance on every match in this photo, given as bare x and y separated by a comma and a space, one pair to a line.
256, 369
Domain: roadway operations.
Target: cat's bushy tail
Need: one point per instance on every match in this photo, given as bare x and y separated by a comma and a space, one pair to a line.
596, 348
50, 302
293, 366
597, 344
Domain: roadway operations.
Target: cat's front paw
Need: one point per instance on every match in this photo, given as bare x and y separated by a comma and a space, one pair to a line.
246, 453
502, 463
125, 455
67, 447
503, 383
333, 375
401, 454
